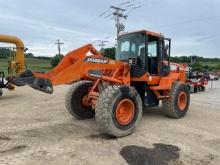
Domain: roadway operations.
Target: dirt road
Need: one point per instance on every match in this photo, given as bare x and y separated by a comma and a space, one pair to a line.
36, 129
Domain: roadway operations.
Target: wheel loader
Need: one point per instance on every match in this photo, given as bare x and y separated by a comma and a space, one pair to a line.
16, 64
116, 91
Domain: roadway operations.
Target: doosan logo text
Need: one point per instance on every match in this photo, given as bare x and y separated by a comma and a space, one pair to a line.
97, 60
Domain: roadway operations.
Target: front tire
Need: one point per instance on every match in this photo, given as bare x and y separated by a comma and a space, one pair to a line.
178, 103
118, 111
74, 100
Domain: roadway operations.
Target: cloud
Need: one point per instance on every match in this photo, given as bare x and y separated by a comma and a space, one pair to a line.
194, 30
39, 25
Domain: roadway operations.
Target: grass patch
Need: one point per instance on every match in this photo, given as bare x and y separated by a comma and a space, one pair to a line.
31, 64
210, 64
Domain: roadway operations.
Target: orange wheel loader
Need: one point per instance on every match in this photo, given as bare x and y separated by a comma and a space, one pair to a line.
115, 91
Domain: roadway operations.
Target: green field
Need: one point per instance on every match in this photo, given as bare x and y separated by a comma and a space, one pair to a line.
43, 65
211, 64
31, 64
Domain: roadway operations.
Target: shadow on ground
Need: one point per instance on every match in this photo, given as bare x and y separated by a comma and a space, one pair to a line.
154, 112
161, 154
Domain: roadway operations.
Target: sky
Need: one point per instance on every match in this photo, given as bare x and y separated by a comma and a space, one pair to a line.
193, 25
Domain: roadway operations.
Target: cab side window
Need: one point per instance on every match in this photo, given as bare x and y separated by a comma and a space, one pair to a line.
153, 55
125, 46
152, 49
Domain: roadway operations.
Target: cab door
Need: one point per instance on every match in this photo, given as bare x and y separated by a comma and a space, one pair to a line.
139, 49
153, 55
164, 58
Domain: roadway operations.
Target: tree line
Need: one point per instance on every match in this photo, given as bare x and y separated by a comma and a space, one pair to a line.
110, 53
199, 64
5, 53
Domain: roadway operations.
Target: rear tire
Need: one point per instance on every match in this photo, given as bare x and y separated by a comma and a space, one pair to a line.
74, 98
118, 111
178, 103
195, 89
203, 88
1, 92
200, 88
189, 88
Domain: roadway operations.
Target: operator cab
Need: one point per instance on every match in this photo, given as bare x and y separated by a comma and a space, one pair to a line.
147, 51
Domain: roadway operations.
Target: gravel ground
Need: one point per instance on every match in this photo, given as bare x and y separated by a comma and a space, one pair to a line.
36, 129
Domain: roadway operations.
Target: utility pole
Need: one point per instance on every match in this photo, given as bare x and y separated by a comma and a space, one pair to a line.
118, 15
102, 44
58, 43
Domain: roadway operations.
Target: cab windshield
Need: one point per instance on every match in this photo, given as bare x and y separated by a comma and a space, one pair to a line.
130, 46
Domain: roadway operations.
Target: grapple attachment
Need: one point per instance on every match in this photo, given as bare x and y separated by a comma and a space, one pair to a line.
28, 78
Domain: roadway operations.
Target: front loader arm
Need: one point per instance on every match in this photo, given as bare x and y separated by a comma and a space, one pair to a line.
67, 71
67, 62
75, 66
71, 58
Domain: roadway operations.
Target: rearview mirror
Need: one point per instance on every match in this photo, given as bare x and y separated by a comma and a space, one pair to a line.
166, 49
132, 61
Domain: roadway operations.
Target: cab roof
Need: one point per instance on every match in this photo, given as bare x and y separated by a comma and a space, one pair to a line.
144, 31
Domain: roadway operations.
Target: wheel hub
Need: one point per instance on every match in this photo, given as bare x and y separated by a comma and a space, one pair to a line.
125, 111
182, 101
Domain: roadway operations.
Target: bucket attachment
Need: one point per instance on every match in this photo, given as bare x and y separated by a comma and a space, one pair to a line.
27, 78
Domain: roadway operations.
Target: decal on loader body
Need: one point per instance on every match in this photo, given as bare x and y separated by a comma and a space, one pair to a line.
97, 60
